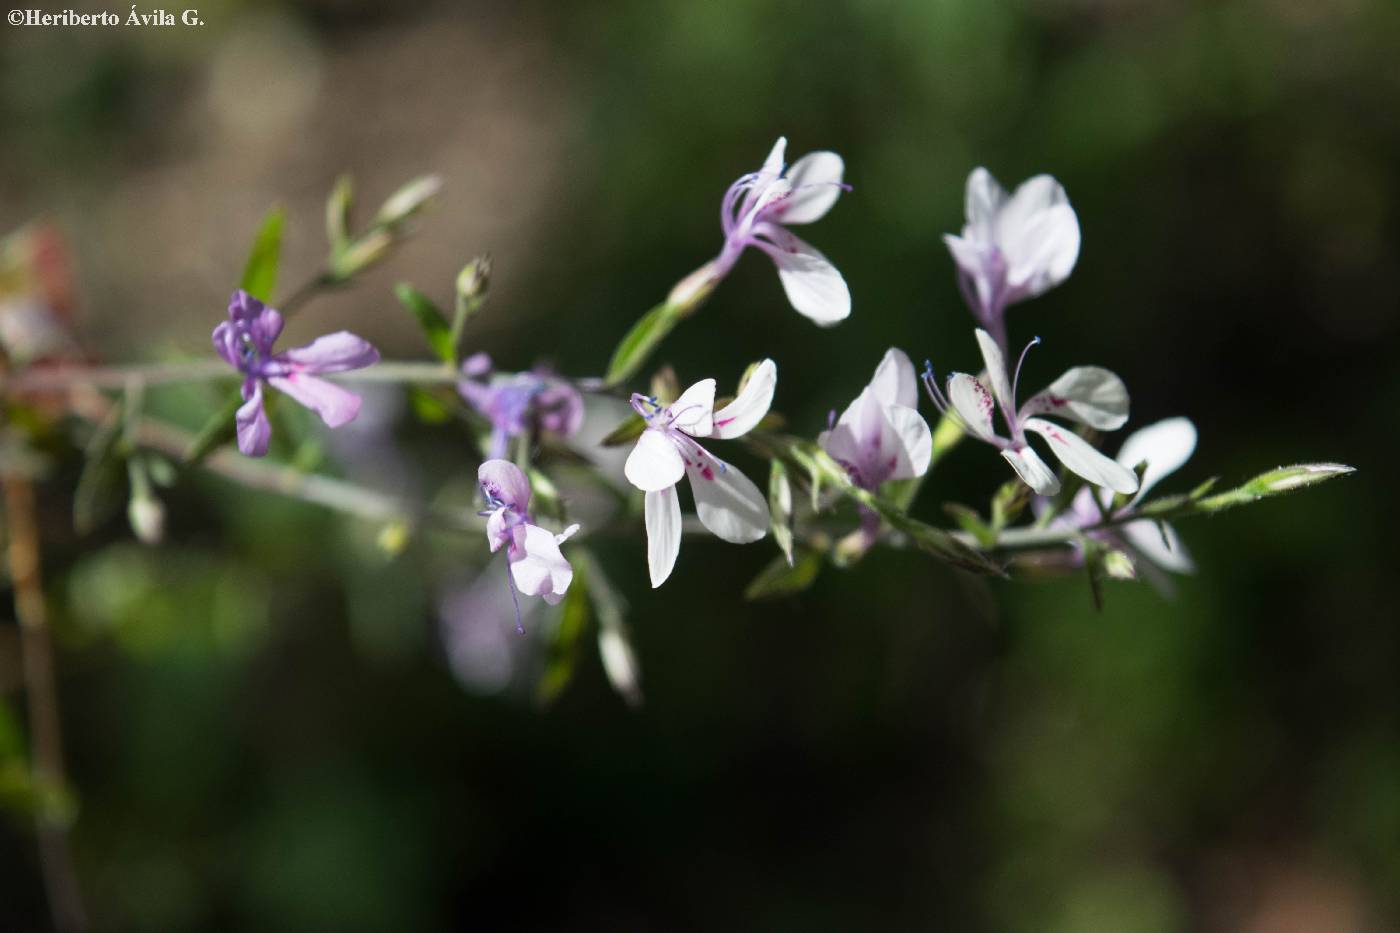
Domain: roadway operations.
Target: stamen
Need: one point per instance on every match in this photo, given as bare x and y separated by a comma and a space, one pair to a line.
930, 381
831, 419
1016, 380
514, 598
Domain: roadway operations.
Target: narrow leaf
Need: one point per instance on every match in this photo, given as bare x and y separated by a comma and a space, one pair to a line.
780, 578
260, 274
430, 320
780, 508
644, 337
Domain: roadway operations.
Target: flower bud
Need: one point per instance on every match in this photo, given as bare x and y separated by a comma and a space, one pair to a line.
338, 206
472, 283
1287, 479
146, 514
361, 254
690, 291
408, 200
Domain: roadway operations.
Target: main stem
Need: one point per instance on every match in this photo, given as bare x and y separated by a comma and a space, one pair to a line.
55, 857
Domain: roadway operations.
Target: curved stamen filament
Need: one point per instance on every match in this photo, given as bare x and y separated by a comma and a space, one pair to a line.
1016, 379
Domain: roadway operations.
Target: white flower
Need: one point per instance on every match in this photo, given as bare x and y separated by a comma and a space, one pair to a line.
1013, 247
1087, 394
758, 209
880, 436
727, 503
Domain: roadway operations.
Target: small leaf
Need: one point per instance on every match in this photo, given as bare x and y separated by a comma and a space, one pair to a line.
428, 407
780, 508
625, 433
1201, 490
545, 498
971, 522
260, 274
1009, 502
639, 343
781, 579
98, 494
561, 658
338, 207
219, 430
430, 320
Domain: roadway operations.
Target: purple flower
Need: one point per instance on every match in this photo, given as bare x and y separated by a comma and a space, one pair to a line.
1014, 246
516, 403
756, 212
537, 566
880, 436
245, 342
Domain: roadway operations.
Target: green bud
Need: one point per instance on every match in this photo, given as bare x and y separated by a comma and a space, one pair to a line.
338, 205
408, 200
474, 280
1117, 565
690, 292
1287, 479
361, 254
146, 514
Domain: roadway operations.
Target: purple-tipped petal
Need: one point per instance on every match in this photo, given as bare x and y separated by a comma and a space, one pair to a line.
254, 430
226, 343
504, 482
333, 353
476, 365
335, 405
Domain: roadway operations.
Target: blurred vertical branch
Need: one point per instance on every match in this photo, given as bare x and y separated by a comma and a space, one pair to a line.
55, 857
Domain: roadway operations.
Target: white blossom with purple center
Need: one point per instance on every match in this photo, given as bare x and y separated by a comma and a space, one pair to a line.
536, 565
516, 403
245, 342
881, 436
727, 503
1013, 246
1088, 394
757, 210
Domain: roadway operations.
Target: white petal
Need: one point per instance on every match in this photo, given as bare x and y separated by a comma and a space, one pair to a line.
1032, 197
1171, 554
543, 570
983, 200
895, 382
1032, 470
1165, 446
654, 463
694, 411
816, 184
773, 165
812, 283
1042, 253
973, 403
996, 368
748, 408
1077, 454
727, 502
663, 520
1089, 394
915, 442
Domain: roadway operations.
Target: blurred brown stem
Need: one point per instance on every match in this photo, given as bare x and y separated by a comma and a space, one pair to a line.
55, 858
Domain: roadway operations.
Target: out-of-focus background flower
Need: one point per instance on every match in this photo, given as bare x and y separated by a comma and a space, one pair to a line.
266, 726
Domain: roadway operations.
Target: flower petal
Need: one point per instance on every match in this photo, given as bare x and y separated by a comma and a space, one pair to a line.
982, 200
663, 521
973, 404
1146, 537
1042, 252
335, 405
813, 285
1077, 454
333, 353
1165, 445
996, 369
654, 463
914, 447
506, 483
694, 411
895, 382
726, 501
541, 569
1088, 394
773, 165
748, 408
816, 184
226, 341
1032, 470
254, 430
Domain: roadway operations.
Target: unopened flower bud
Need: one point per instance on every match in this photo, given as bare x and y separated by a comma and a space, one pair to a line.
408, 200
473, 282
1287, 479
360, 255
690, 291
146, 514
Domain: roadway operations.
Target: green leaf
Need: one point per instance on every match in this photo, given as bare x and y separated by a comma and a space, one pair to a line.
1009, 501
561, 658
98, 494
544, 497
780, 578
625, 433
338, 207
430, 320
11, 738
644, 337
780, 508
260, 274
428, 407
219, 430
968, 519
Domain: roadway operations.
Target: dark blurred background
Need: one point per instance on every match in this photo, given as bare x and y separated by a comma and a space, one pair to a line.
263, 729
